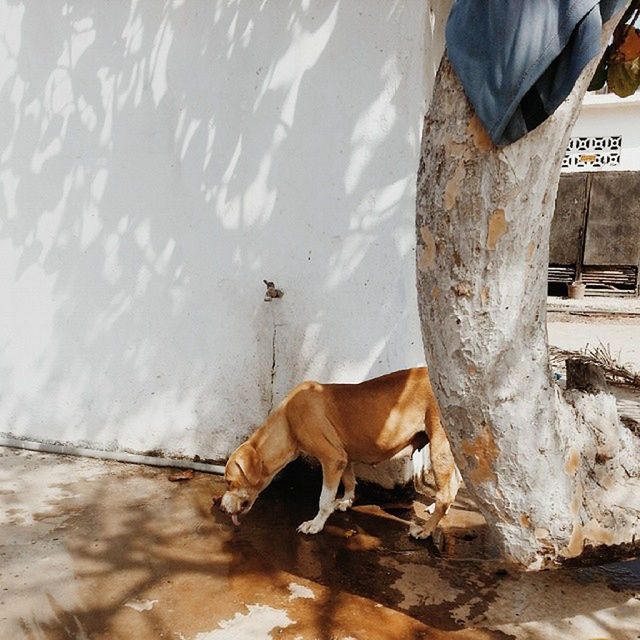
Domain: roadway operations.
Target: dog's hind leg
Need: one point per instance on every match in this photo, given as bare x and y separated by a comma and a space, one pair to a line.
349, 483
446, 475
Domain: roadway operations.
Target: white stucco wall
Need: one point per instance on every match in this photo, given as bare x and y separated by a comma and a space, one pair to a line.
608, 115
157, 161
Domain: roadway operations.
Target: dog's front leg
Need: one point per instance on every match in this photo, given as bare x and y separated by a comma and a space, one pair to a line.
331, 474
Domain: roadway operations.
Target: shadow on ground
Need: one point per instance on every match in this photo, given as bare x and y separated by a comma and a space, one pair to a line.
93, 549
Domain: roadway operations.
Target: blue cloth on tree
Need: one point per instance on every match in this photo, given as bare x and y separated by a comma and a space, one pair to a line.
519, 59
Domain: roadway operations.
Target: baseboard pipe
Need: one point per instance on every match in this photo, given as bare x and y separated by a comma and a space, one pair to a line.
119, 456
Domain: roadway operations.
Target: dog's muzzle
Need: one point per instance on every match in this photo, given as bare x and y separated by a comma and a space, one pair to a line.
234, 506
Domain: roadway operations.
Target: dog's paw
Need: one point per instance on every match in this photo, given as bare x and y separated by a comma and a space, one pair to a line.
343, 504
420, 532
310, 527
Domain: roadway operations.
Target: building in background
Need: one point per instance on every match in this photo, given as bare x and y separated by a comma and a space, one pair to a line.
595, 234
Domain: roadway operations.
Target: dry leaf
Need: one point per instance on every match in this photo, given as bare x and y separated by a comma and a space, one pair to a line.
630, 48
623, 78
182, 474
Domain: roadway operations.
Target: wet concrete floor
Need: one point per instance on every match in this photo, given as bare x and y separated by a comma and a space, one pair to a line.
93, 549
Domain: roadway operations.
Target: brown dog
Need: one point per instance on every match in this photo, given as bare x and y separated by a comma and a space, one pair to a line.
339, 424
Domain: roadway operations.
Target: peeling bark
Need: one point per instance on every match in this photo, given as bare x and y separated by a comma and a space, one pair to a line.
555, 473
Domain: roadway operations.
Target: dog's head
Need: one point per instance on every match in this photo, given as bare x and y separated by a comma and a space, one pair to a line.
245, 479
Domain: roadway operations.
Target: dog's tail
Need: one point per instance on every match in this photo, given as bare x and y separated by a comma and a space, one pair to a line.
423, 479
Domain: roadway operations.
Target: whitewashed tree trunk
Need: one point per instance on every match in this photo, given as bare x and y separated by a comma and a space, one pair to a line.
556, 474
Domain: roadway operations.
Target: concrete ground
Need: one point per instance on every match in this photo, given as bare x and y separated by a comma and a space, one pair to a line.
102, 550
596, 305
620, 334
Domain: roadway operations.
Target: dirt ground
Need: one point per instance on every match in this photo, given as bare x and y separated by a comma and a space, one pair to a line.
94, 550
620, 334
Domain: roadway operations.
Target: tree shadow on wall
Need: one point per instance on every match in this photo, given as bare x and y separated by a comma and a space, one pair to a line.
158, 160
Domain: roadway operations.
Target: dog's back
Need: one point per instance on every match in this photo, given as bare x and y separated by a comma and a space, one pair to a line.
373, 419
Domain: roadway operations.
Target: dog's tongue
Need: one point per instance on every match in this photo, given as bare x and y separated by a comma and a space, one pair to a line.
235, 520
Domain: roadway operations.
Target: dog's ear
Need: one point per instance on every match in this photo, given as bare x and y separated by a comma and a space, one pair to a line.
249, 462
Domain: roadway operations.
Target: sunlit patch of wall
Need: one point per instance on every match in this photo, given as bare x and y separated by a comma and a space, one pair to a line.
157, 162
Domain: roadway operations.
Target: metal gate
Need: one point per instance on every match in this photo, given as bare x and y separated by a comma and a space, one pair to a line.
595, 233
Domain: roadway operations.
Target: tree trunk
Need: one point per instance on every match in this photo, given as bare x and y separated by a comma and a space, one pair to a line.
556, 474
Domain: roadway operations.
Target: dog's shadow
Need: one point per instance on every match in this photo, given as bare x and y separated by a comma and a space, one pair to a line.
454, 583
348, 564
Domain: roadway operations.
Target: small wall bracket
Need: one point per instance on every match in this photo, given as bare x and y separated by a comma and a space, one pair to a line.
271, 291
